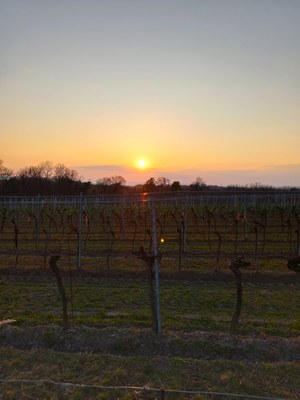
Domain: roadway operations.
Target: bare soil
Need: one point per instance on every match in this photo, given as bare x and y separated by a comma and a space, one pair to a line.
127, 342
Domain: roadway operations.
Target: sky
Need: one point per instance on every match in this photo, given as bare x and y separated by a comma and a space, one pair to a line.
196, 88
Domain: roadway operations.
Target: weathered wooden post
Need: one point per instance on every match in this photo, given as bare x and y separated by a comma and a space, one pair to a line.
156, 269
134, 235
16, 241
152, 270
219, 250
297, 231
235, 266
79, 231
180, 250
149, 260
53, 265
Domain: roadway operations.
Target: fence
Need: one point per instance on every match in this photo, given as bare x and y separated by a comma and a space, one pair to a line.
162, 198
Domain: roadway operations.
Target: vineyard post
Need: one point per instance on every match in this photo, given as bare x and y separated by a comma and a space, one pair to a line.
245, 222
79, 230
38, 222
235, 266
298, 241
53, 265
256, 246
185, 216
16, 242
156, 269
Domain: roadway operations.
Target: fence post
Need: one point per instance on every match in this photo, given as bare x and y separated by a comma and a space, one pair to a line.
79, 231
156, 269
38, 221
185, 217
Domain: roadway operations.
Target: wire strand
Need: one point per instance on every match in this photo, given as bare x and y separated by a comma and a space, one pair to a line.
136, 388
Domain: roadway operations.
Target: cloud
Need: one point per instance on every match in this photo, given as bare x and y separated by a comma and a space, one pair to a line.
104, 167
110, 167
284, 167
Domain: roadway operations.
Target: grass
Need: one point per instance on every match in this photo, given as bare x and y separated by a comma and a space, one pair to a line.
187, 308
264, 379
112, 310
133, 355
184, 305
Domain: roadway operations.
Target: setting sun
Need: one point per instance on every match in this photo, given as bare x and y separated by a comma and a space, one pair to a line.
142, 164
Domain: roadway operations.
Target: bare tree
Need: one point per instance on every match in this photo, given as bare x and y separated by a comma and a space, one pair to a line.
150, 185
47, 169
198, 184
111, 184
175, 186
30, 172
5, 173
62, 172
163, 183
45, 178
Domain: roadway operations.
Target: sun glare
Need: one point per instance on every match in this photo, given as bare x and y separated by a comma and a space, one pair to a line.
142, 164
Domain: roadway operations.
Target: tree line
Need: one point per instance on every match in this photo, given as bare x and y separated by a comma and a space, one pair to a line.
44, 179
48, 179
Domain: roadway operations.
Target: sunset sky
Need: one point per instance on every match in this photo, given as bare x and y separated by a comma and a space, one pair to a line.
206, 88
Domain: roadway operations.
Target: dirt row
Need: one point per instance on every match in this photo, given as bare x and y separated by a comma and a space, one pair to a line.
125, 342
86, 276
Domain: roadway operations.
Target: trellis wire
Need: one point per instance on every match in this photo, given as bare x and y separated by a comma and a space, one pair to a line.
186, 198
147, 201
138, 388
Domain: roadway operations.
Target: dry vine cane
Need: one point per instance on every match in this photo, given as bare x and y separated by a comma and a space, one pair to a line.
235, 266
53, 265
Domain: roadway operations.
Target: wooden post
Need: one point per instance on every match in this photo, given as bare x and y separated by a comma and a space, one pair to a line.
184, 223
53, 265
38, 221
297, 231
156, 269
179, 231
219, 250
149, 260
16, 241
235, 266
134, 234
79, 232
256, 246
245, 223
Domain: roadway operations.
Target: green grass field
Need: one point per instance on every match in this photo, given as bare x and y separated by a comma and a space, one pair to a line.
110, 341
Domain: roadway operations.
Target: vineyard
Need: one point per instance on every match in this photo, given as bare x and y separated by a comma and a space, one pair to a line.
147, 288
193, 233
